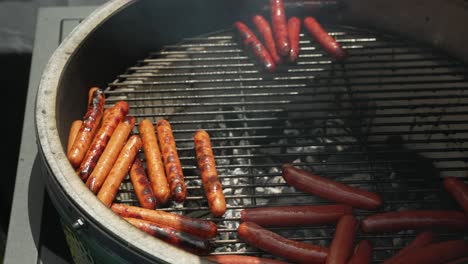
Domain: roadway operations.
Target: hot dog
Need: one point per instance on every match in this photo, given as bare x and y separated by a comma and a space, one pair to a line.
126, 156
263, 27
141, 185
418, 220
99, 143
179, 239
327, 42
294, 29
280, 28
266, 240
110, 154
174, 174
74, 128
362, 253
341, 246
284, 216
421, 240
331, 190
198, 227
459, 261
255, 46
459, 190
154, 164
437, 253
209, 175
238, 259
88, 128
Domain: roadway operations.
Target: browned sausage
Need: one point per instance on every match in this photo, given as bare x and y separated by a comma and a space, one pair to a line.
362, 253
126, 156
418, 220
437, 253
305, 215
99, 143
252, 43
154, 164
198, 227
174, 174
331, 190
294, 29
209, 175
273, 243
280, 28
141, 185
263, 27
88, 128
421, 240
110, 154
179, 239
239, 259
74, 128
341, 247
327, 42
459, 190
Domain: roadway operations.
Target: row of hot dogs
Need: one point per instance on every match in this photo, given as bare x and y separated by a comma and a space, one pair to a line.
282, 40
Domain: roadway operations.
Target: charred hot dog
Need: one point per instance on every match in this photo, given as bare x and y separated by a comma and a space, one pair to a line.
141, 185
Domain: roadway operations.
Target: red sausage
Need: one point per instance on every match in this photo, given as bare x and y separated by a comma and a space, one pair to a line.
306, 215
362, 253
252, 43
88, 128
263, 27
438, 253
341, 247
331, 190
238, 259
112, 120
209, 175
273, 243
327, 42
424, 219
141, 185
172, 236
280, 28
294, 28
74, 128
174, 174
421, 240
459, 190
198, 227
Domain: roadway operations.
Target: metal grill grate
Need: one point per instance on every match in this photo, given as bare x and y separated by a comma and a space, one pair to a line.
392, 118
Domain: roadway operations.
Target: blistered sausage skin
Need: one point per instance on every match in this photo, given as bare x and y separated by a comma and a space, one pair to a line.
74, 128
88, 129
141, 185
294, 30
459, 191
327, 42
263, 27
110, 154
99, 143
421, 240
341, 246
280, 27
174, 174
362, 253
154, 163
239, 259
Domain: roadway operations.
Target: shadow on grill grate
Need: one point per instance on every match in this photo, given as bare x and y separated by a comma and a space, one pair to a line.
391, 118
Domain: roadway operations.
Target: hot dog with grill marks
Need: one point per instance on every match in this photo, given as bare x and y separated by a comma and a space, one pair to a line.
174, 174
421, 240
172, 236
437, 253
252, 43
110, 154
331, 190
280, 28
88, 128
263, 27
209, 175
294, 29
417, 220
362, 253
327, 42
154, 164
74, 128
126, 156
459, 190
141, 185
341, 247
99, 143
306, 215
238, 259
198, 227
266, 240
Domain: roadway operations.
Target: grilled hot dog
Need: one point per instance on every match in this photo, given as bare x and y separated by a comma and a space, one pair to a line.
74, 128
459, 190
263, 27
341, 247
141, 185
362, 253
421, 240
280, 28
327, 42
238, 259
437, 253
294, 29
